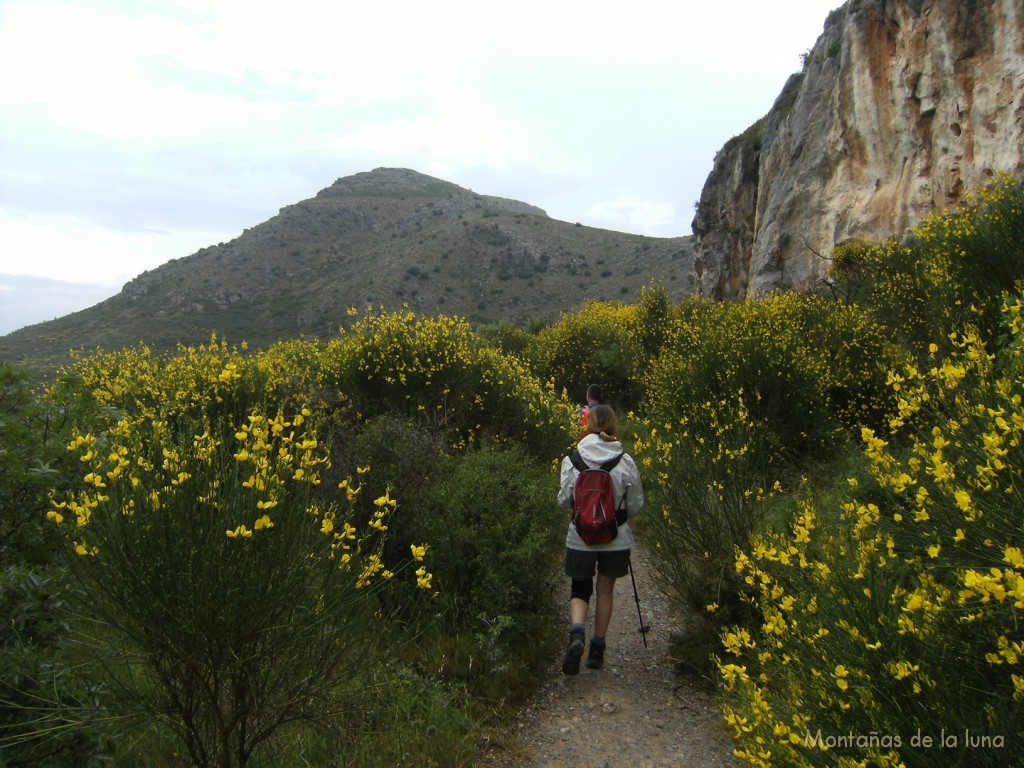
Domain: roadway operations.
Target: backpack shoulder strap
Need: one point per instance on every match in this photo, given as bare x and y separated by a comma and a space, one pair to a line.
578, 462
581, 465
608, 465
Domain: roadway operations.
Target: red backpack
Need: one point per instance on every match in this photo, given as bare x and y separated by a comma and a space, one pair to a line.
594, 512
584, 427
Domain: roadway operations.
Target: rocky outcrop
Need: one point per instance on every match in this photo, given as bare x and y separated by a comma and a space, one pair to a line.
902, 108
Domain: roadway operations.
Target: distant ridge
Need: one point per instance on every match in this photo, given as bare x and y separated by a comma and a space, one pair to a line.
390, 237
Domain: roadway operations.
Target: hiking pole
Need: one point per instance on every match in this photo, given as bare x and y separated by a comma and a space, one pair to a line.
643, 629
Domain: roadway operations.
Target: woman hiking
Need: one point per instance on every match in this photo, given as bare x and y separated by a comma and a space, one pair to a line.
609, 560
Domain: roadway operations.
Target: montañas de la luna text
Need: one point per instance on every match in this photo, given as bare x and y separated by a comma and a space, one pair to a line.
875, 740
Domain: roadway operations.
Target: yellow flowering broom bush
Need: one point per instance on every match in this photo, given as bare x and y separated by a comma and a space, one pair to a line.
135, 381
212, 378
434, 369
890, 630
807, 367
743, 396
226, 592
605, 343
953, 270
710, 480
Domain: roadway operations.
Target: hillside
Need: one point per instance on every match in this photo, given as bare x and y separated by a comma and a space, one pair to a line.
385, 238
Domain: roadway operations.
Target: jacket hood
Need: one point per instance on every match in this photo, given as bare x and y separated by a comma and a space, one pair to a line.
596, 451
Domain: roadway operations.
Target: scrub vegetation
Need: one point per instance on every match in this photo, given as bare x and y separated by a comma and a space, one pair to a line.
329, 552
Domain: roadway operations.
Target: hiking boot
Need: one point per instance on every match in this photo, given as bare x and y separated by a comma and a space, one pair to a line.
573, 654
595, 656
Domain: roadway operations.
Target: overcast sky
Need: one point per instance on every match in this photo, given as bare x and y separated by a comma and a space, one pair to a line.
136, 131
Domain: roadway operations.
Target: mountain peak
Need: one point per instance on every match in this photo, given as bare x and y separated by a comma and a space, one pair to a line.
392, 182
404, 184
388, 238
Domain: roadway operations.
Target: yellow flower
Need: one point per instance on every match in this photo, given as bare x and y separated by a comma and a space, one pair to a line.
902, 669
963, 500
264, 522
1018, 687
840, 675
423, 578
239, 532
418, 552
1014, 557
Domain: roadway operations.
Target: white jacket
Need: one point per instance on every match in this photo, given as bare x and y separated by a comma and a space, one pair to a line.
625, 478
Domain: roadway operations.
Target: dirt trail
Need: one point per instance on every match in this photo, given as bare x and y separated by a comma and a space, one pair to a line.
635, 711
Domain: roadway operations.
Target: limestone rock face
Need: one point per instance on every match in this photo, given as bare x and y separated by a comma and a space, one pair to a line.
902, 108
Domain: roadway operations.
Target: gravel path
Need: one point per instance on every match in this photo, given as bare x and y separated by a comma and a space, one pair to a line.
634, 712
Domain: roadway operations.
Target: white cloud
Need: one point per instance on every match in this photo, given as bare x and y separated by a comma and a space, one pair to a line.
76, 250
627, 214
30, 300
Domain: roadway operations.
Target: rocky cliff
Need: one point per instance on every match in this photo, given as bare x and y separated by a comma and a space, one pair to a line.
902, 108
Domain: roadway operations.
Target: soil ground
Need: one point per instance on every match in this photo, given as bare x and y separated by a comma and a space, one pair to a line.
636, 711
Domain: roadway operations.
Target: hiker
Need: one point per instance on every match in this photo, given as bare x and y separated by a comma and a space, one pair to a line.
594, 397
601, 446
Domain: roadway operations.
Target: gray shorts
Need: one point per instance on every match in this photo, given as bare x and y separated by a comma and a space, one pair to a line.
580, 564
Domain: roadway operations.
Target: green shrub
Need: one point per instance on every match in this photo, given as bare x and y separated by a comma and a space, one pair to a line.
50, 710
494, 533
411, 719
511, 340
497, 535
45, 700
496, 530
403, 457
